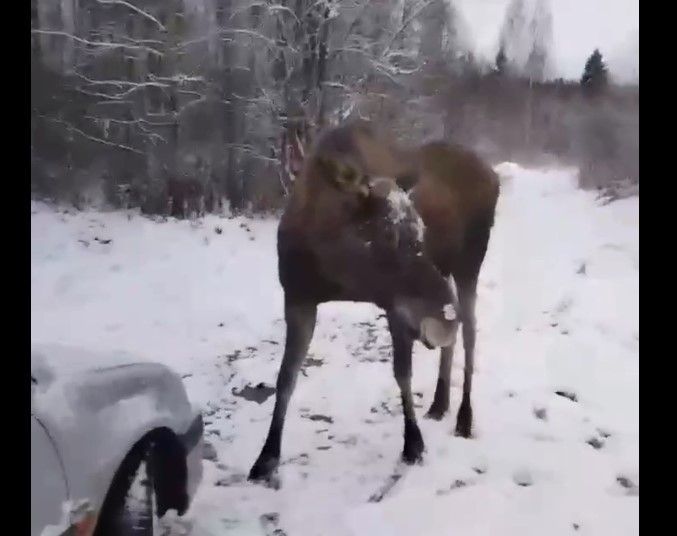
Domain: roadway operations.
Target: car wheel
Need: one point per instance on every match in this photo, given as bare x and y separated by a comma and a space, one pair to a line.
130, 509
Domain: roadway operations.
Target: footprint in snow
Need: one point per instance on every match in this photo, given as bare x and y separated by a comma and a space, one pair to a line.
523, 478
318, 417
595, 442
567, 394
457, 484
270, 524
627, 483
541, 413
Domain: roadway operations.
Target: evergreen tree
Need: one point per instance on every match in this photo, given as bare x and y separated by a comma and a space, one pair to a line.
595, 74
501, 61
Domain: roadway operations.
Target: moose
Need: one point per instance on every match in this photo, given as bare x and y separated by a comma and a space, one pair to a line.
185, 196
405, 229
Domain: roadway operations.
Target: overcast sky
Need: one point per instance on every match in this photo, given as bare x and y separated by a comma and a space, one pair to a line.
579, 26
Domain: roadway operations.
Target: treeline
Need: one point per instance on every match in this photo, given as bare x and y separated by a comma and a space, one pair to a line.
185, 106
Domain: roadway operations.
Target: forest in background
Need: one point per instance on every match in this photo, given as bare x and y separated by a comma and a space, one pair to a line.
180, 107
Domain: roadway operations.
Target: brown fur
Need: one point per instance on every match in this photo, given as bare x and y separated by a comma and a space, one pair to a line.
454, 191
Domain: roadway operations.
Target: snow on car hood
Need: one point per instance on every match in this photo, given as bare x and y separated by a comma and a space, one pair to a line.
68, 381
51, 360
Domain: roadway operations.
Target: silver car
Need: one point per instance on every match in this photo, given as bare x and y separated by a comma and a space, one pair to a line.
115, 443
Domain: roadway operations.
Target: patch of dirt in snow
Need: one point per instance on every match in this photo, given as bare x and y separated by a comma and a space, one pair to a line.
259, 393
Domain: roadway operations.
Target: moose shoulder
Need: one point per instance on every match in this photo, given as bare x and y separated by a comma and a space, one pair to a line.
351, 232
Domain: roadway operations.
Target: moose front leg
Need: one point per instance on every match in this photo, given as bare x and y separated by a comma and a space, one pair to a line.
440, 403
402, 345
467, 296
300, 320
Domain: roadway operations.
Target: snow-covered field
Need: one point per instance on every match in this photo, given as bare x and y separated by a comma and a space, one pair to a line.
557, 313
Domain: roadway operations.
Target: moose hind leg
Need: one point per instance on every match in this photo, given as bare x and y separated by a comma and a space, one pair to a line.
300, 320
402, 346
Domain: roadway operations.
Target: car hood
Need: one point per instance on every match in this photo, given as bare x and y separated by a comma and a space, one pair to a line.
52, 361
69, 382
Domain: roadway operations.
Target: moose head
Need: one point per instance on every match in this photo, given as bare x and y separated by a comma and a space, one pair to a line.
361, 234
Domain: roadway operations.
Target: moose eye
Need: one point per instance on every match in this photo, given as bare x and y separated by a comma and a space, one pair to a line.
349, 175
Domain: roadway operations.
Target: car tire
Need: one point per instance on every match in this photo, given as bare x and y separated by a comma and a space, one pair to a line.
130, 508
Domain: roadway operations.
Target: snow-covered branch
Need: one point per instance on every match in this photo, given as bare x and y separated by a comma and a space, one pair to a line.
123, 94
102, 44
223, 32
188, 92
73, 128
338, 85
415, 13
135, 9
250, 149
138, 123
283, 9
270, 7
179, 78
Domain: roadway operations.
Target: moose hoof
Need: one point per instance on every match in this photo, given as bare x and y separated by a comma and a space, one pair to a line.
413, 446
412, 455
464, 421
436, 412
263, 469
463, 431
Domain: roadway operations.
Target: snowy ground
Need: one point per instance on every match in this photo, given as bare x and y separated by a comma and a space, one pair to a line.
557, 313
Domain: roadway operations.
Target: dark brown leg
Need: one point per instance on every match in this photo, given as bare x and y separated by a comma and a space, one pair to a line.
440, 403
300, 320
467, 297
402, 346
